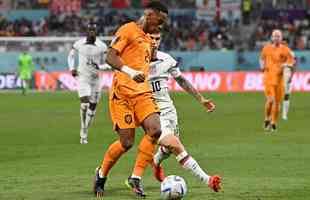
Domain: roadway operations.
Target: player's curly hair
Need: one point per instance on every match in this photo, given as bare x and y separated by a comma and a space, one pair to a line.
157, 5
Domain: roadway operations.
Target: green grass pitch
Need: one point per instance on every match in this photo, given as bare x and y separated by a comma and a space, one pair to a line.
41, 158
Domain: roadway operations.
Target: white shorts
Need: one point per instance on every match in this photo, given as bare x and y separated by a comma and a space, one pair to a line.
287, 73
169, 123
89, 88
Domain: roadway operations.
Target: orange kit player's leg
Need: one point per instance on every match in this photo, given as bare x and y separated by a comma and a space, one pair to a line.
122, 118
279, 92
145, 105
269, 94
268, 104
147, 114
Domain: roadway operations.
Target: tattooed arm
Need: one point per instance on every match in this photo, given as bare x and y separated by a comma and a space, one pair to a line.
189, 88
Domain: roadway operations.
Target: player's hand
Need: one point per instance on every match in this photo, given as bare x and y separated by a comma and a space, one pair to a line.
208, 104
74, 73
137, 76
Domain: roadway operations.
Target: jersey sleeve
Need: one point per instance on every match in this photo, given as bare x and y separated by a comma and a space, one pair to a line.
174, 70
122, 38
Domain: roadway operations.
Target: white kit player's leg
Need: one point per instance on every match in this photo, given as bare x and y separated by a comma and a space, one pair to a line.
162, 154
286, 106
90, 114
287, 87
94, 99
189, 163
169, 125
83, 131
84, 94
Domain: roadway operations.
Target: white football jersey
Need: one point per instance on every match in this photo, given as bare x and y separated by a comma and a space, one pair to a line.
88, 54
160, 71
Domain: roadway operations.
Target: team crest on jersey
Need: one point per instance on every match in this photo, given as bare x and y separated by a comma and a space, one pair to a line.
128, 119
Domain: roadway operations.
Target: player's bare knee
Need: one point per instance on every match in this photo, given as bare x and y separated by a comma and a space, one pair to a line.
126, 137
172, 143
153, 129
127, 142
155, 134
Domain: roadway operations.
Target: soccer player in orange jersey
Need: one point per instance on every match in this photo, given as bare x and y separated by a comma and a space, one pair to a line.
274, 58
131, 102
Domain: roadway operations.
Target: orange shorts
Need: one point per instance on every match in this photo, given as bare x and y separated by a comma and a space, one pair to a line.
131, 112
276, 91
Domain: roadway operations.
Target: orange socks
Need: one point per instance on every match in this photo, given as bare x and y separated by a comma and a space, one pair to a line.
145, 155
268, 107
275, 113
115, 151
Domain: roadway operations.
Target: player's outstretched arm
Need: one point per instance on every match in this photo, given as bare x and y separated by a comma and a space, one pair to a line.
115, 61
189, 88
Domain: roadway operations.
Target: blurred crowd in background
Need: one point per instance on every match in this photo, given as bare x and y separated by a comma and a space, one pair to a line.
188, 31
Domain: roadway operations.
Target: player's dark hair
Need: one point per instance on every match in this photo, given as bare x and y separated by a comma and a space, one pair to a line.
157, 5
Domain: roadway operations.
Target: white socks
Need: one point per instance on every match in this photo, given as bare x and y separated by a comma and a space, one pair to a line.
89, 117
191, 164
162, 154
286, 105
83, 110
185, 160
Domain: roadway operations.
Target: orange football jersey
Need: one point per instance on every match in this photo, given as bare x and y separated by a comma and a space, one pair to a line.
274, 58
134, 46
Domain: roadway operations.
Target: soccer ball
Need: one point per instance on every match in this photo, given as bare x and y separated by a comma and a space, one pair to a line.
173, 188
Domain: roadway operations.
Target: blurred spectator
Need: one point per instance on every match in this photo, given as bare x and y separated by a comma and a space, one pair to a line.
201, 35
5, 5
120, 3
188, 31
297, 32
246, 11
65, 6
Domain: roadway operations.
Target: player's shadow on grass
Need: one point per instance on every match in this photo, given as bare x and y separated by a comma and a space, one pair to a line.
121, 191
202, 191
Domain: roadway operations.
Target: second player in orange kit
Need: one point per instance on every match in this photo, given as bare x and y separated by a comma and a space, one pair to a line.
275, 56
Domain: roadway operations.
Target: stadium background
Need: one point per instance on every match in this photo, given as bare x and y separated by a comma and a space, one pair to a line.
232, 31
40, 154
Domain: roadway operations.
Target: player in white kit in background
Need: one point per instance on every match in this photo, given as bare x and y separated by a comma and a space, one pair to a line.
288, 72
91, 53
161, 67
